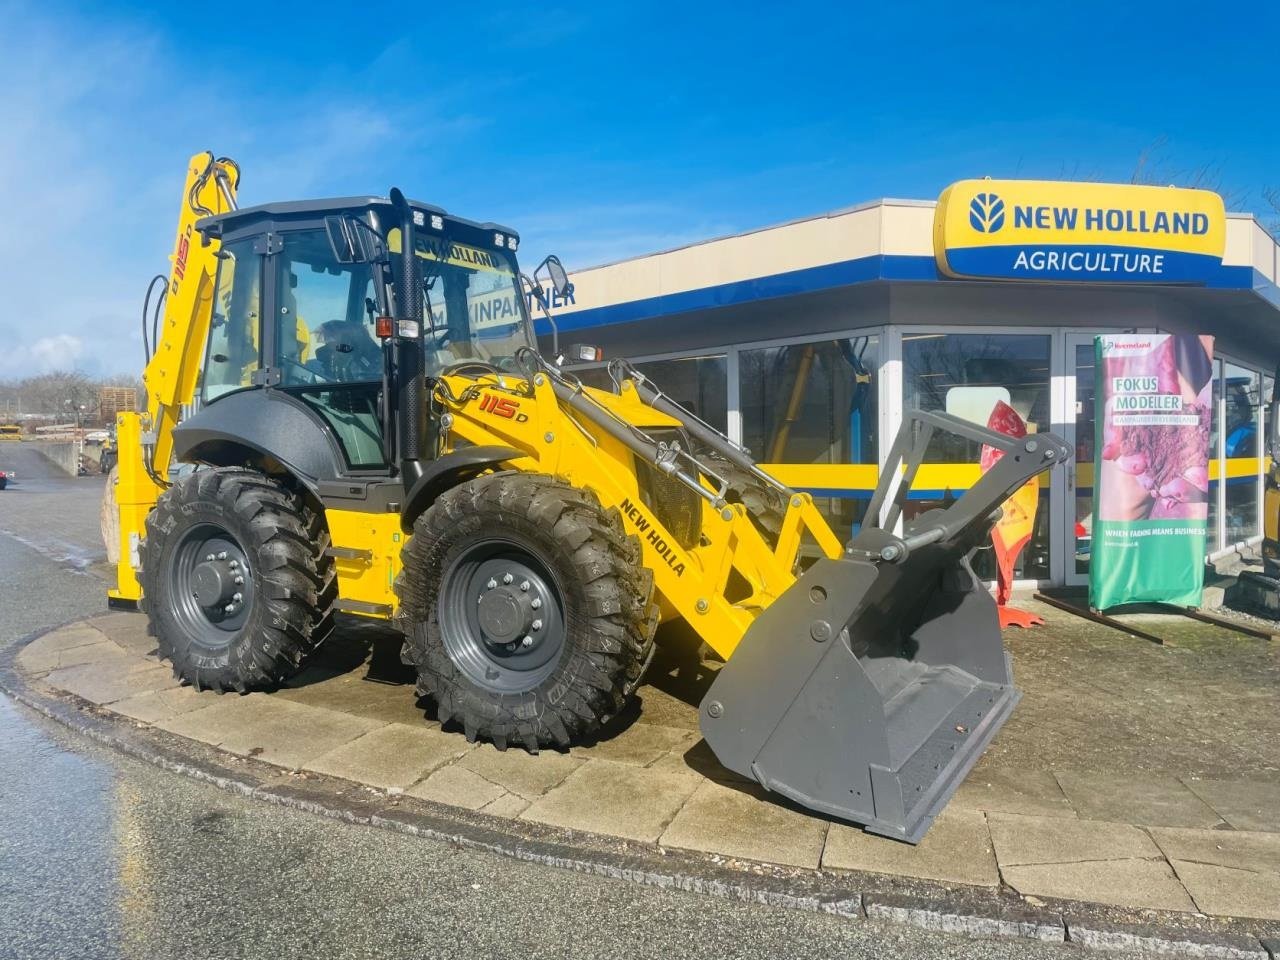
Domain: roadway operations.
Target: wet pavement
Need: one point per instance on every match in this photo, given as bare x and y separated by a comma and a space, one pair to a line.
102, 856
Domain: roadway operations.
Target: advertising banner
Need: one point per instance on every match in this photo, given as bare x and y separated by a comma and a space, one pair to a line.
1151, 486
1087, 232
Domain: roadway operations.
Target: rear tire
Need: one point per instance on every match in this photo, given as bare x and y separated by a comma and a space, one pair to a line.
589, 636
268, 550
765, 505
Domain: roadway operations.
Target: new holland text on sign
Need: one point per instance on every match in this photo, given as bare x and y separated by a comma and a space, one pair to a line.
1092, 232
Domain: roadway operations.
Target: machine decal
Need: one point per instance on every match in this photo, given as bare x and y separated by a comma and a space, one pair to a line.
180, 258
651, 534
503, 407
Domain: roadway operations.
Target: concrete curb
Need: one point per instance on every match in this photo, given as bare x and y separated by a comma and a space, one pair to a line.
969, 911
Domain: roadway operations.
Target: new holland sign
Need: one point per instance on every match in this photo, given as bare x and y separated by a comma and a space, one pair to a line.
1092, 232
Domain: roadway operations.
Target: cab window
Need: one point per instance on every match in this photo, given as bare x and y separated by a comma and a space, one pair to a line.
232, 354
324, 327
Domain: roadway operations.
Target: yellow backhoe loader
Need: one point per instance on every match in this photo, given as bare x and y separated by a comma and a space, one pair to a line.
347, 411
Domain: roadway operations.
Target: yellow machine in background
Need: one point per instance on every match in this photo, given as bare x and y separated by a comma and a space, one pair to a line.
347, 412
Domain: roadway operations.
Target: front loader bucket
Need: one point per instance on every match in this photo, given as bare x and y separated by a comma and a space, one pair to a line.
872, 686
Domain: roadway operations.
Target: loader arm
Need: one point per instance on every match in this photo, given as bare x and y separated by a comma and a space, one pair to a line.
171, 376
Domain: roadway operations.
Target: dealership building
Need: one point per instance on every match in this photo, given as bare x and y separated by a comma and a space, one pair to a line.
807, 341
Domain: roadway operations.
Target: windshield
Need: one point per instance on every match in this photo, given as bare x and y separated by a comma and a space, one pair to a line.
472, 304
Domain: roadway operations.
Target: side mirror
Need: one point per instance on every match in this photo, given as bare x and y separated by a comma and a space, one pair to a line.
559, 277
352, 240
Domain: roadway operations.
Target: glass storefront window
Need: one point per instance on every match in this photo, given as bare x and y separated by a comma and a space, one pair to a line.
699, 384
816, 403
1242, 447
968, 375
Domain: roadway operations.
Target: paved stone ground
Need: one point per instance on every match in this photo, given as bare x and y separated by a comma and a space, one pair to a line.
1131, 775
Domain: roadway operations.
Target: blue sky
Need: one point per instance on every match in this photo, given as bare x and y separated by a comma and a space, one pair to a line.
598, 131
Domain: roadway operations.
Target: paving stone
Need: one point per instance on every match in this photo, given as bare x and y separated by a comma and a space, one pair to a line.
227, 715
640, 744
113, 679
737, 822
276, 731
64, 638
35, 660
1245, 804
1231, 892
395, 755
1134, 884
127, 630
458, 786
91, 653
1148, 800
508, 805
1030, 793
352, 693
700, 761
957, 849
1258, 852
615, 798
1033, 840
524, 774
159, 705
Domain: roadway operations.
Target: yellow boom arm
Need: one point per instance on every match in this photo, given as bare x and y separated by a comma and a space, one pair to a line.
146, 438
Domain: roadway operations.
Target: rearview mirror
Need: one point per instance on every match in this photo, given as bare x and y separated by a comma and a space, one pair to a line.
559, 277
352, 240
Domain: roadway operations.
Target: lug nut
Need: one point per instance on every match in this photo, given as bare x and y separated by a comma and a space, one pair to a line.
222, 555
229, 608
524, 584
536, 603
491, 584
537, 624
527, 642
211, 557
511, 647
239, 580
236, 597
507, 578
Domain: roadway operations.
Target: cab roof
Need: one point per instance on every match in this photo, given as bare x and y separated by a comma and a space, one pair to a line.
218, 224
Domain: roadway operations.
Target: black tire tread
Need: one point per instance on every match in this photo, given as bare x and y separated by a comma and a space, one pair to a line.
765, 506
610, 646
297, 583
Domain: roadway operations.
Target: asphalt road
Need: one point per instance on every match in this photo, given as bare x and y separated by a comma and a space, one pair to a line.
103, 857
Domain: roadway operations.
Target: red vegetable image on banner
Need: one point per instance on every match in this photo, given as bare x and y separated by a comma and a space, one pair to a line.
1013, 530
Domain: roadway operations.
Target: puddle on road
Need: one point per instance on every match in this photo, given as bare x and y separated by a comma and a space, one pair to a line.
69, 555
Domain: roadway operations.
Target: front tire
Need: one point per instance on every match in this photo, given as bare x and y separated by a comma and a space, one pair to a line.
236, 583
525, 610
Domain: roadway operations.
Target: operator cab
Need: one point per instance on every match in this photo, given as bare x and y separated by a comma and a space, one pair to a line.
302, 288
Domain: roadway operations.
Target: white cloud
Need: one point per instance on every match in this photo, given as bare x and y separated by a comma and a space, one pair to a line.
62, 351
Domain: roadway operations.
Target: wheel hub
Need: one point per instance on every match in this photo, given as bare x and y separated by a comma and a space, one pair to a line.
210, 584
506, 626
507, 610
213, 583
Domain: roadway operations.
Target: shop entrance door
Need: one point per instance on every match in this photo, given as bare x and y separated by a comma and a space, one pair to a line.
1079, 429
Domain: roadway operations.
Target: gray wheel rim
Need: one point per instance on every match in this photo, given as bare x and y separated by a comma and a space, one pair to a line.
502, 616
207, 600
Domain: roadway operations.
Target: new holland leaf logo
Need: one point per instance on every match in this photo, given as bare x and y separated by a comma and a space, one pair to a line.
986, 213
